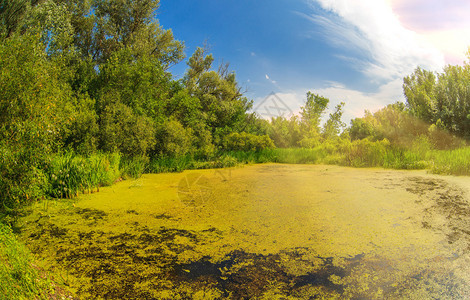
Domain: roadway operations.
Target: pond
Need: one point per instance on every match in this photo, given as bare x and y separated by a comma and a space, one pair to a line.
268, 231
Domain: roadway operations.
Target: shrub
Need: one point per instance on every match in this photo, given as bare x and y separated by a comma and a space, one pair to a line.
365, 153
247, 142
175, 140
20, 179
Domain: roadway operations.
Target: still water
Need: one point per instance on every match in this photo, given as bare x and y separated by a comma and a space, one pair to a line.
268, 231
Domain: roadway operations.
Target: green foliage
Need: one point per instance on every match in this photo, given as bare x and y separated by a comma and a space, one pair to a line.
140, 83
365, 127
32, 118
312, 111
419, 89
82, 133
223, 106
21, 181
124, 131
12, 13
366, 153
169, 164
174, 139
19, 277
247, 142
334, 125
105, 26
70, 174
443, 100
450, 162
285, 133
133, 167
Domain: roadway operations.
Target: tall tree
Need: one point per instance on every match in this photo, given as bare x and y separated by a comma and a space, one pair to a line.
105, 26
419, 89
223, 105
334, 124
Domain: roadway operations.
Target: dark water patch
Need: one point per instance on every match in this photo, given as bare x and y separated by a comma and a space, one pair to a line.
444, 199
46, 228
163, 217
245, 275
89, 214
422, 185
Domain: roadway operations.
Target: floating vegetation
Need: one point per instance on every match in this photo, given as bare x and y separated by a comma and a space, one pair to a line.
267, 231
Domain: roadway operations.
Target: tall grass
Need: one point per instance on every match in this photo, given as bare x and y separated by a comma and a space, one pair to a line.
71, 174
19, 278
133, 167
450, 162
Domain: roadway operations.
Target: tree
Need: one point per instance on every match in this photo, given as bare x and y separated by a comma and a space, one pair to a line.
311, 115
313, 110
285, 132
223, 106
103, 27
122, 130
443, 100
33, 117
419, 89
334, 125
12, 13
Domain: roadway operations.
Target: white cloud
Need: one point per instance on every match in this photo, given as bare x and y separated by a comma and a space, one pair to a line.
270, 80
356, 101
371, 26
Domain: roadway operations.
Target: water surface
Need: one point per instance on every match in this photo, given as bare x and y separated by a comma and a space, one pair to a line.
268, 231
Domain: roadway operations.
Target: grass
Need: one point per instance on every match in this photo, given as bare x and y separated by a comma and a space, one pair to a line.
360, 153
19, 278
71, 174
450, 162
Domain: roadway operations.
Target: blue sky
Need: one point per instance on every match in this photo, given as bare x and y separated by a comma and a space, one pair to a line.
352, 51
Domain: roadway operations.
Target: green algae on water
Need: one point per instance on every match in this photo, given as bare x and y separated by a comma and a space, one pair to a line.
264, 232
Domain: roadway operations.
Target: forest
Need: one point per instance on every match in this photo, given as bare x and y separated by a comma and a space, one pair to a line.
87, 98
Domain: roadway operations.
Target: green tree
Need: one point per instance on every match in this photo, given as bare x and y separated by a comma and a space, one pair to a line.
334, 125
419, 89
284, 132
33, 116
313, 110
311, 116
103, 27
223, 106
124, 131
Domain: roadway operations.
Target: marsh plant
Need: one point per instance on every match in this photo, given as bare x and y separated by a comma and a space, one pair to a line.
71, 174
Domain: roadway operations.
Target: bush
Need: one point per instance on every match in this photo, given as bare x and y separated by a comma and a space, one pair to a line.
20, 179
121, 130
175, 140
247, 142
365, 153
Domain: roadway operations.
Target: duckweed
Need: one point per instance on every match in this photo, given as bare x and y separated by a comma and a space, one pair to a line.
262, 232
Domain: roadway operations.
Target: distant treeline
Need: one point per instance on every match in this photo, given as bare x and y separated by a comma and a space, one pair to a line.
86, 96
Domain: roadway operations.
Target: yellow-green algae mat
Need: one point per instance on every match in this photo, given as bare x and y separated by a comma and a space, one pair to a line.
262, 232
